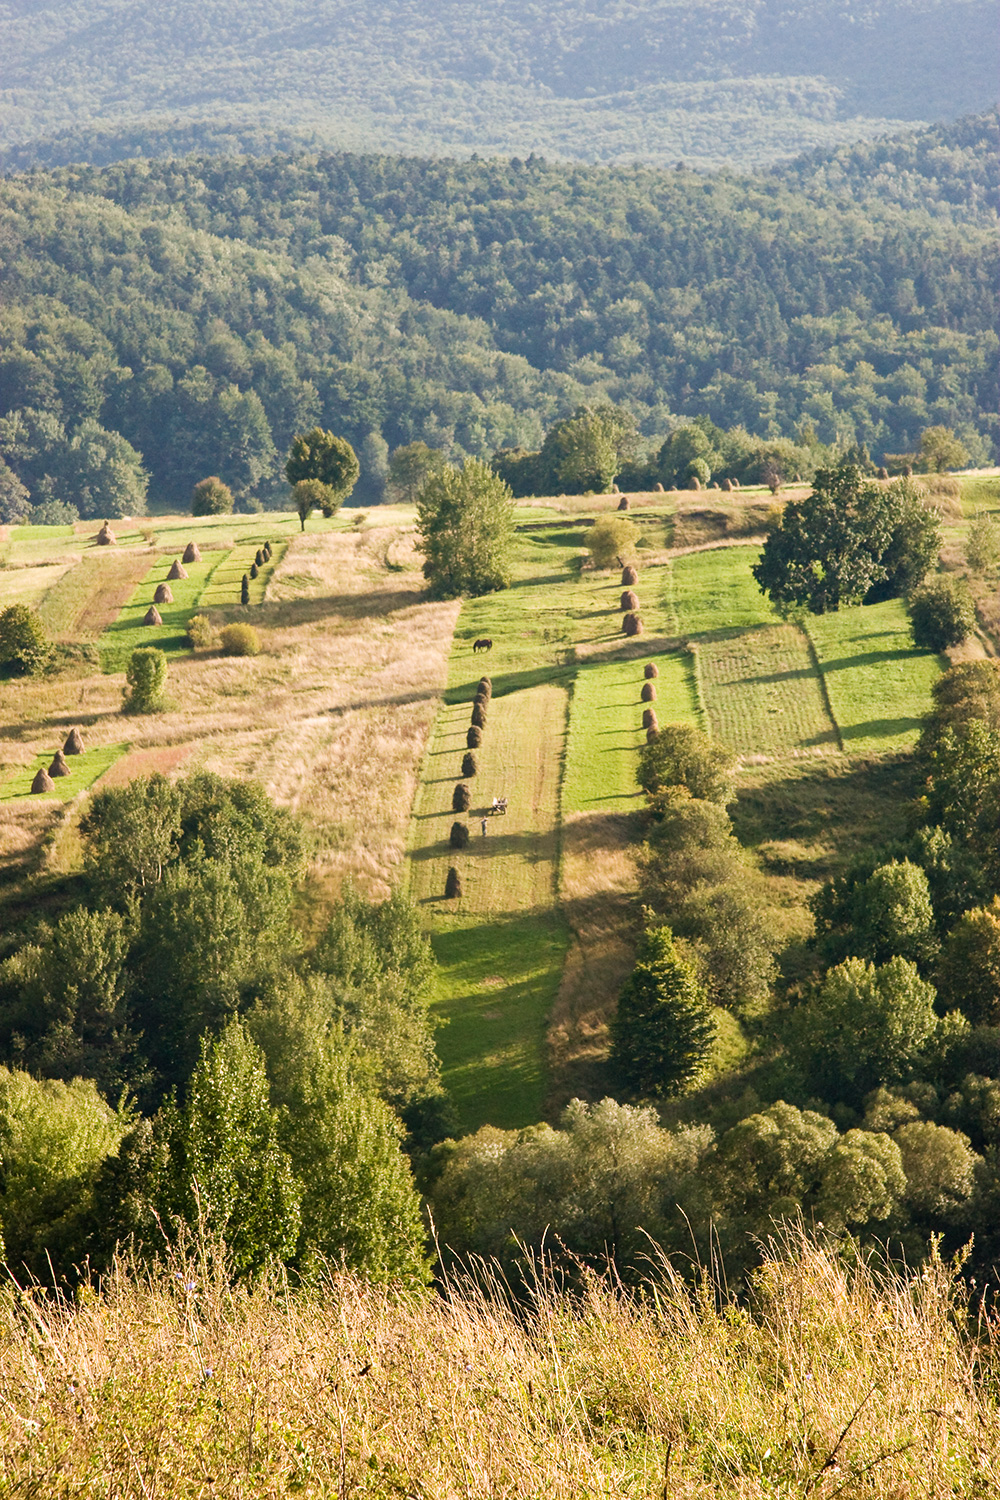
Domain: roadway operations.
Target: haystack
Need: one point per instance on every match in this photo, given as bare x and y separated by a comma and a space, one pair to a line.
623, 503
43, 781
259, 558
650, 670
191, 553
474, 738
479, 716
629, 600
649, 718
245, 590
106, 537
152, 616
163, 594
481, 701
629, 577
59, 766
882, 473
461, 798
632, 625
651, 734
648, 694
469, 767
659, 489
74, 743
453, 885
485, 686
727, 485
177, 570
459, 836
254, 570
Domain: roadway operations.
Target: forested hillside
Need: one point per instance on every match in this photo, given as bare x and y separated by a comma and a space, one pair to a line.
202, 311
711, 80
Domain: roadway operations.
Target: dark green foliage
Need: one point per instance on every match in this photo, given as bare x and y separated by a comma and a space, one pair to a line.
211, 498
329, 460
466, 522
685, 756
942, 613
877, 912
410, 467
850, 539
146, 677
663, 1030
968, 976
24, 648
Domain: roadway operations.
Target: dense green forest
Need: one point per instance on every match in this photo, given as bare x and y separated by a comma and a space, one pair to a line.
712, 81
197, 313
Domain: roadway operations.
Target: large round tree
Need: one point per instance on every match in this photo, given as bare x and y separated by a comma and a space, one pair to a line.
466, 522
321, 456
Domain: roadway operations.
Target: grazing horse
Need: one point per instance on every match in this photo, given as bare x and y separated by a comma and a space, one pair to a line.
482, 645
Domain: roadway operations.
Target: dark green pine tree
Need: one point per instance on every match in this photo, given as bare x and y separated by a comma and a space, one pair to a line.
663, 1031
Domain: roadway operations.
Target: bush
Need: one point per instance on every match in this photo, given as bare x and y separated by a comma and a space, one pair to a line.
146, 676
52, 513
200, 633
982, 550
663, 1030
212, 498
239, 640
24, 648
941, 613
610, 540
685, 756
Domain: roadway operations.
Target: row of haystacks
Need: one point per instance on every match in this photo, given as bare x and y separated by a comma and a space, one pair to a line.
192, 554
629, 603
461, 797
648, 695
44, 779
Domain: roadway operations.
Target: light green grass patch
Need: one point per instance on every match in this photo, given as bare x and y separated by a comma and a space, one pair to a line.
84, 771
493, 993
40, 533
30, 586
763, 693
606, 733
878, 683
715, 591
128, 632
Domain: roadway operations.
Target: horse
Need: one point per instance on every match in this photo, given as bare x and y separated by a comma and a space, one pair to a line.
482, 645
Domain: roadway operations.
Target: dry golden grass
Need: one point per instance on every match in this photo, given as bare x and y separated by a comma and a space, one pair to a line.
840, 1382
597, 884
333, 716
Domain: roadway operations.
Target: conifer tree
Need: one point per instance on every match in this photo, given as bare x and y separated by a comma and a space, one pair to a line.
663, 1030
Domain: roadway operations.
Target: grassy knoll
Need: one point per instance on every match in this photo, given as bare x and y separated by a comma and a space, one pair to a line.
127, 632
605, 728
878, 683
84, 771
763, 693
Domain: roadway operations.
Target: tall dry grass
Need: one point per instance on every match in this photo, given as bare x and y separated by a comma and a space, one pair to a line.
838, 1380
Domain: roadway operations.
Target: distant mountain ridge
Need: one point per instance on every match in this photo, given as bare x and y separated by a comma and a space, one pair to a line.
739, 82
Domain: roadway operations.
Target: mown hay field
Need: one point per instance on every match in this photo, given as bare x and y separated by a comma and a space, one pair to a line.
128, 632
763, 693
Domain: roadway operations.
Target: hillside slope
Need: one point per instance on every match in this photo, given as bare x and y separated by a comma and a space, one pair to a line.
711, 80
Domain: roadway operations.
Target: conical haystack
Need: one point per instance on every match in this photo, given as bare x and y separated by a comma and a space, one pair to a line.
459, 836
177, 570
479, 716
74, 743
474, 738
43, 782
485, 686
469, 767
453, 885
629, 600
651, 733
461, 798
651, 670
163, 594
259, 558
254, 570
623, 503
152, 616
649, 720
59, 766
629, 577
648, 694
106, 537
191, 553
632, 625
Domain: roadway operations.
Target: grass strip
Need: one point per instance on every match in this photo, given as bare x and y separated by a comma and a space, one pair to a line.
763, 693
84, 771
714, 592
223, 587
879, 684
128, 632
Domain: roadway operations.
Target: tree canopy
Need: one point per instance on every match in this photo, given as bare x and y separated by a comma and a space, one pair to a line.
465, 517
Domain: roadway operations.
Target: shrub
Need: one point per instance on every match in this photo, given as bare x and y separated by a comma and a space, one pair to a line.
24, 648
941, 613
453, 884
459, 836
685, 756
212, 498
146, 676
461, 798
982, 550
469, 766
474, 738
648, 694
239, 640
610, 540
651, 670
200, 633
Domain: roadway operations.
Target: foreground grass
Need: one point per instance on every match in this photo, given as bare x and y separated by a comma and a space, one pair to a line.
842, 1382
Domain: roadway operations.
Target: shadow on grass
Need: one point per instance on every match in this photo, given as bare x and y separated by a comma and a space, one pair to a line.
881, 729
872, 658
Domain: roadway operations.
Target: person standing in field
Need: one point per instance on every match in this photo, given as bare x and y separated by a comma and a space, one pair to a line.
484, 828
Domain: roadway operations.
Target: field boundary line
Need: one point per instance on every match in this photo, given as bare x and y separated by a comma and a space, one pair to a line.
824, 689
690, 650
